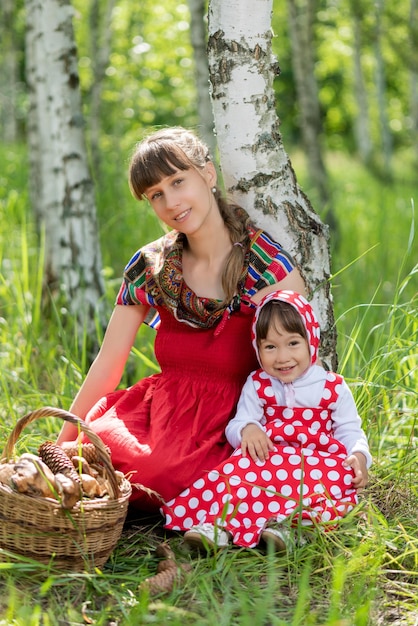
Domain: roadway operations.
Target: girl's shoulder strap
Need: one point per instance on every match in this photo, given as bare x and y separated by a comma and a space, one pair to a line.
261, 383
330, 393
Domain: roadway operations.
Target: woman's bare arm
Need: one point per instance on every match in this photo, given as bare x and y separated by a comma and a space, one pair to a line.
106, 370
293, 282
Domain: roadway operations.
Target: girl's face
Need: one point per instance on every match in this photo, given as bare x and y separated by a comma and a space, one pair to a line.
284, 355
184, 201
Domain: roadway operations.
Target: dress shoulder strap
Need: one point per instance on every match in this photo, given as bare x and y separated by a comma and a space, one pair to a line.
262, 383
330, 393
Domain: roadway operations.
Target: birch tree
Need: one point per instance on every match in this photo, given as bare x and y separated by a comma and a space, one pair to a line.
301, 18
63, 194
198, 39
386, 137
256, 169
361, 121
100, 20
9, 72
413, 78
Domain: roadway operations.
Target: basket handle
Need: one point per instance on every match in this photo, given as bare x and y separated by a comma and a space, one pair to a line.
49, 411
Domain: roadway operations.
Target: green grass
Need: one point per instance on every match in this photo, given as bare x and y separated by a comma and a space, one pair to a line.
366, 573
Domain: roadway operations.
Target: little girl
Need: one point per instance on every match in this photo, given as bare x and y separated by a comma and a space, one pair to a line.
301, 453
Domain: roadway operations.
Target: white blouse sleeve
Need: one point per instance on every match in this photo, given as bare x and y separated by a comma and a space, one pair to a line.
347, 424
249, 411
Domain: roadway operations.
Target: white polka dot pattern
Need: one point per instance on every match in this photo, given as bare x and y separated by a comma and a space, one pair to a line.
303, 479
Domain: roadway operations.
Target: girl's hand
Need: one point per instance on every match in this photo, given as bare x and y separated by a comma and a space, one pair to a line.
255, 442
357, 462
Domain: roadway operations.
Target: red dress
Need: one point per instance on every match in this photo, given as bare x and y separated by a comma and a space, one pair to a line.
168, 429
304, 477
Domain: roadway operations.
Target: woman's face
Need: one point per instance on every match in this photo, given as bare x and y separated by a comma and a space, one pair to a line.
184, 201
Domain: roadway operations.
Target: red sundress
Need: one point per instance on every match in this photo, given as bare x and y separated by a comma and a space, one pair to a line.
168, 429
304, 477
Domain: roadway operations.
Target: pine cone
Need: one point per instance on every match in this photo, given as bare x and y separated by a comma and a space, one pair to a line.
57, 460
169, 572
88, 452
164, 551
162, 582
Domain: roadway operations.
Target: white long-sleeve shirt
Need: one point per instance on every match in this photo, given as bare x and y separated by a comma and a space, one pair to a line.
304, 392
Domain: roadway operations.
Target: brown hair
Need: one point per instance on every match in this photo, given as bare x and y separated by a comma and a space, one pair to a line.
160, 155
283, 313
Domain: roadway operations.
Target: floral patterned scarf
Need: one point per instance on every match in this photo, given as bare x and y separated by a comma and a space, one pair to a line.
154, 276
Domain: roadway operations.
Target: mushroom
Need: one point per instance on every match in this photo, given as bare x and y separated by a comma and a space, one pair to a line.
68, 490
90, 486
6, 472
80, 462
33, 477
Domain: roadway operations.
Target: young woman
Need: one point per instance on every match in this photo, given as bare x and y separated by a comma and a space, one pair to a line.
197, 286
301, 453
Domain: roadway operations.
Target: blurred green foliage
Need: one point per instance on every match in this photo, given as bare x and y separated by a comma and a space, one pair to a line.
149, 79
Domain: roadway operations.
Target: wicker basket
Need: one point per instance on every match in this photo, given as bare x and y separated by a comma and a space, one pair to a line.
39, 528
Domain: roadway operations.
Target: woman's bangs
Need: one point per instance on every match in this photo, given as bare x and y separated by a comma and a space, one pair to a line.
154, 164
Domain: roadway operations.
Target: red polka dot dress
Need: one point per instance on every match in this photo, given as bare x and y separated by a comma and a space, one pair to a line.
303, 480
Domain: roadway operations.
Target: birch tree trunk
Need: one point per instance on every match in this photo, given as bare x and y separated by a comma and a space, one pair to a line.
301, 25
361, 121
413, 37
8, 75
256, 169
100, 38
41, 184
64, 199
198, 38
381, 90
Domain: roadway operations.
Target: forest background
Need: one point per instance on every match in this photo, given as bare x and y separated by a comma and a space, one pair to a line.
367, 573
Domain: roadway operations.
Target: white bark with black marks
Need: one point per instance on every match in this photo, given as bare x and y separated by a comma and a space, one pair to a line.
64, 195
256, 169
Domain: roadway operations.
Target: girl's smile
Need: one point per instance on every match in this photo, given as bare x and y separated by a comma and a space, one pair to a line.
284, 355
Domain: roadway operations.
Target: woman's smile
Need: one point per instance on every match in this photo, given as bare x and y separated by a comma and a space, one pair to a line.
182, 215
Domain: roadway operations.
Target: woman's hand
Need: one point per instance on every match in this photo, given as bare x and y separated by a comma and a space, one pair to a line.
255, 442
357, 462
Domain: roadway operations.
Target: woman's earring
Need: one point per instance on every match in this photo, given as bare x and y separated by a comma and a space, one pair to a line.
213, 189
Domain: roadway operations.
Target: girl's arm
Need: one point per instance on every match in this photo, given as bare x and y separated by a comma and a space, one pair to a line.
247, 427
358, 463
106, 370
347, 426
249, 411
256, 443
